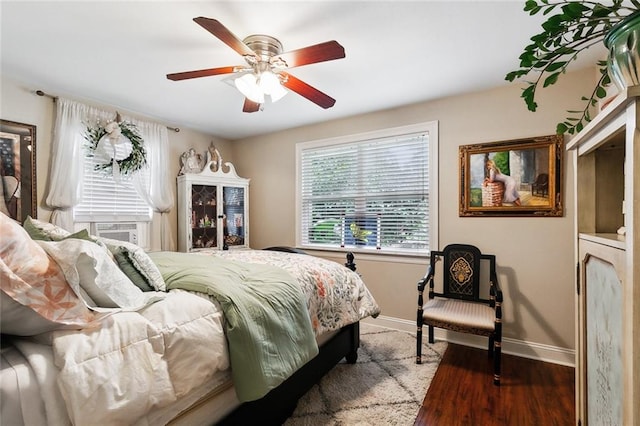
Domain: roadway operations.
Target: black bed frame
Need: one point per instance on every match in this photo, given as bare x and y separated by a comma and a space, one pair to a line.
278, 405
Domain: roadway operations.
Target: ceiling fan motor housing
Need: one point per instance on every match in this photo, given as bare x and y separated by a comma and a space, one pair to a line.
265, 46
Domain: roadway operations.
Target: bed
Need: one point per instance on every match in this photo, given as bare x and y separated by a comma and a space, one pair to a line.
174, 348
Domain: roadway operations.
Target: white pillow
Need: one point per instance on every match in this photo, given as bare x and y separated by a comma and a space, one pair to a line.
89, 268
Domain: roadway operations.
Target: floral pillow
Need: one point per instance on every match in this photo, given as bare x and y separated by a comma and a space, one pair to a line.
33, 280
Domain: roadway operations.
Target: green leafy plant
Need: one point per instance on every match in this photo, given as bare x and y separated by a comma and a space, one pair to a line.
571, 28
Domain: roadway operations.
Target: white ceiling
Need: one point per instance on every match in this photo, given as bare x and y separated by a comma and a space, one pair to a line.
399, 52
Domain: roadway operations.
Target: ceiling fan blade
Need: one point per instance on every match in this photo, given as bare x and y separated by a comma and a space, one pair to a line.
309, 92
327, 51
217, 29
201, 73
250, 106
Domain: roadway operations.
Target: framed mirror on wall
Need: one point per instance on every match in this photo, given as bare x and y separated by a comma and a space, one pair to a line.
18, 170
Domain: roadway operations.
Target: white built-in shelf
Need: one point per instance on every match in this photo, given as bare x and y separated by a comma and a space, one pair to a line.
611, 240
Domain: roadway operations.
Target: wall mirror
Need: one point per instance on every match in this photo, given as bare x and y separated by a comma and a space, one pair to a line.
18, 169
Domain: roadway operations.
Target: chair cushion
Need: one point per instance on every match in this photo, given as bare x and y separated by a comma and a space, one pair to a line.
459, 315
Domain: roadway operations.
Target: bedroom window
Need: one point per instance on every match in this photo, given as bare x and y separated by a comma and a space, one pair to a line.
104, 200
373, 192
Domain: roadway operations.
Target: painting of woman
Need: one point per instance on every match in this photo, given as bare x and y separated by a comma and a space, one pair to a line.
494, 174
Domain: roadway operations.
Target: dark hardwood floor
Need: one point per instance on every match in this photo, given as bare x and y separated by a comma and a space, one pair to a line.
531, 393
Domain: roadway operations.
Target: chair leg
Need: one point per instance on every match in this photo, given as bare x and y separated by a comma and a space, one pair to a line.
497, 360
431, 340
491, 345
419, 345
419, 322
498, 347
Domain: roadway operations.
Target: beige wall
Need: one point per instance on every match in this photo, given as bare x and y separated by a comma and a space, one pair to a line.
19, 103
535, 255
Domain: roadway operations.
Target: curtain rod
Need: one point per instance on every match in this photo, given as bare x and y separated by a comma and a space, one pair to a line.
41, 93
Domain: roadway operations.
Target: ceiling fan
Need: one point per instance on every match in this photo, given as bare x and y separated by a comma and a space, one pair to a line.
264, 73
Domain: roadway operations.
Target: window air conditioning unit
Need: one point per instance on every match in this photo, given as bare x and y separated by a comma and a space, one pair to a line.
118, 231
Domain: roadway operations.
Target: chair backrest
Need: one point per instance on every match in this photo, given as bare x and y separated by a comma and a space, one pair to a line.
461, 271
542, 179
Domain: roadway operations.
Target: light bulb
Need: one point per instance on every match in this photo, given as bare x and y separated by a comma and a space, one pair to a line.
268, 81
270, 84
248, 86
278, 93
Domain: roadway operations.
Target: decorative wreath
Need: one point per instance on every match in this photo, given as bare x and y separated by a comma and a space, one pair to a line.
136, 160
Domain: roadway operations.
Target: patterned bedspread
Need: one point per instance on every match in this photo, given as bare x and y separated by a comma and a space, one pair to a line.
336, 296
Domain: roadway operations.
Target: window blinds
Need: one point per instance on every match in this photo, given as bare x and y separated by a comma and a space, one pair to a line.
105, 200
370, 194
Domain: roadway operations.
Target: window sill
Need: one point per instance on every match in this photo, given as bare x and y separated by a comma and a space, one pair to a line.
366, 255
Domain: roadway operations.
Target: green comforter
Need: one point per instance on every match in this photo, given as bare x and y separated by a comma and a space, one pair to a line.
266, 318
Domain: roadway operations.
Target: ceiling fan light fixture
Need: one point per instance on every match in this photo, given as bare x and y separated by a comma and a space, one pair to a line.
278, 93
248, 86
264, 73
270, 85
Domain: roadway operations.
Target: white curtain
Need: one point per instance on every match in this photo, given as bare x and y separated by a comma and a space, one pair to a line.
67, 165
67, 162
157, 191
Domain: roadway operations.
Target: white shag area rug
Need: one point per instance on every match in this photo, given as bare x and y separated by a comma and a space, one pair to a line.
384, 387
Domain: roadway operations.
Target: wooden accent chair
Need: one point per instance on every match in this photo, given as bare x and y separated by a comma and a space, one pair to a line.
459, 307
541, 185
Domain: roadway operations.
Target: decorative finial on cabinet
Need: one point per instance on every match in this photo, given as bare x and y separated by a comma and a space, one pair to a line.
214, 159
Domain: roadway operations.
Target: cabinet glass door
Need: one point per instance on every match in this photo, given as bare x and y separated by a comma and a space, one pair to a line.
233, 210
203, 216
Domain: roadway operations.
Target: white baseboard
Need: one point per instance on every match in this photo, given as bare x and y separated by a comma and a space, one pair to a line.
532, 350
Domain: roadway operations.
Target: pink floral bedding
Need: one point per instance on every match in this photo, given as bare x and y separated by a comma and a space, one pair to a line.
336, 296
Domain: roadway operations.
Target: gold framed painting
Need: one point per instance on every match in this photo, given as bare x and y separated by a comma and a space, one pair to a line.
520, 177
